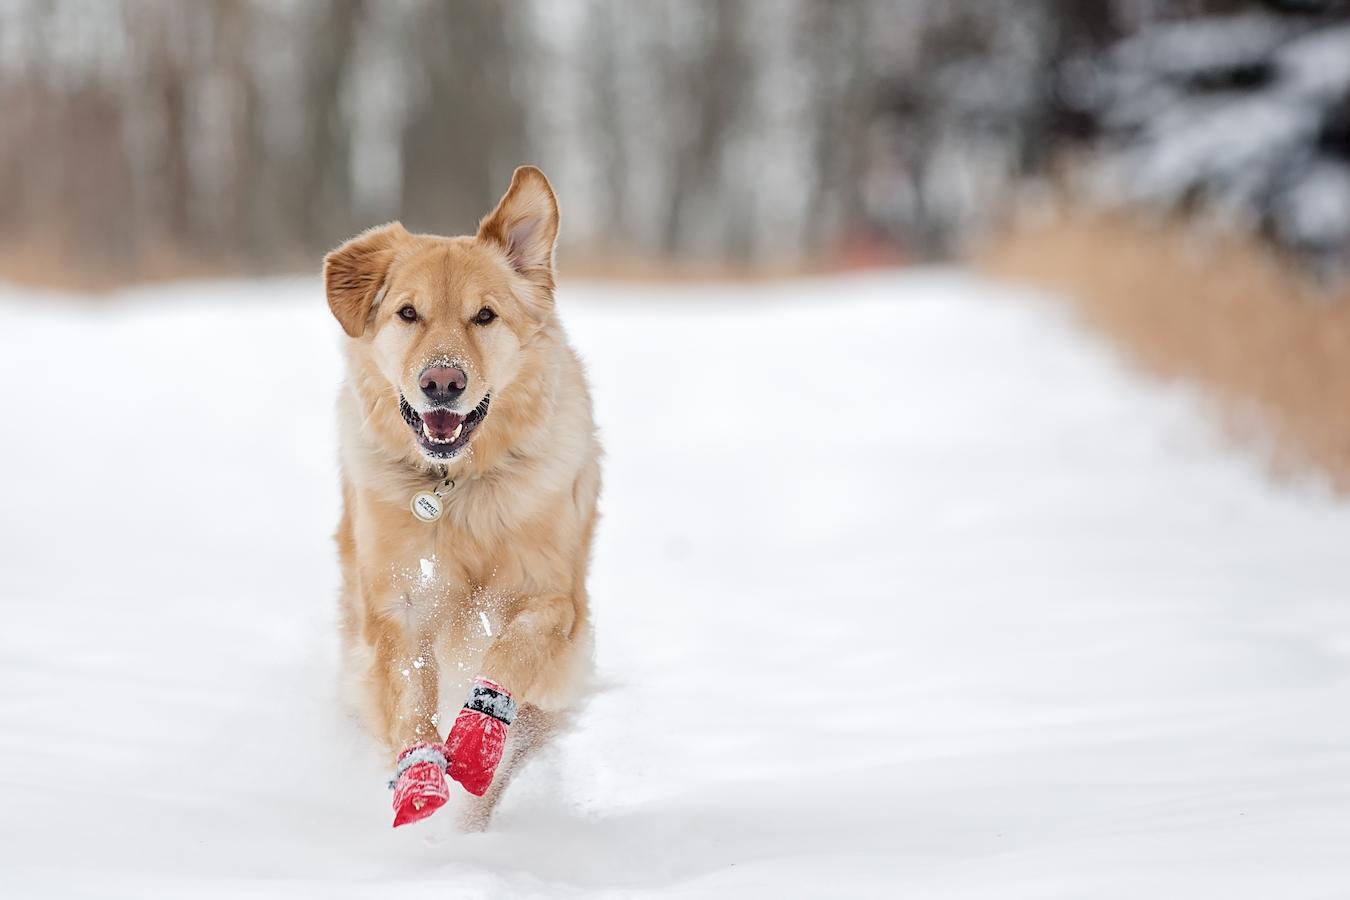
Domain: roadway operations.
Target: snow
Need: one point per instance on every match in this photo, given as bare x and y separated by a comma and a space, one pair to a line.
1191, 47
905, 587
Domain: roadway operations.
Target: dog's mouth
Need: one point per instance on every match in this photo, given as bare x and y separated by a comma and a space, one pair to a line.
442, 433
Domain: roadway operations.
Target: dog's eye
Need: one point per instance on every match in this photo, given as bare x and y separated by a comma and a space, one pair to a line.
408, 314
485, 315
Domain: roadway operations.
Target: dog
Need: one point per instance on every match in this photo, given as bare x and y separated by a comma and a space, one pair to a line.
470, 469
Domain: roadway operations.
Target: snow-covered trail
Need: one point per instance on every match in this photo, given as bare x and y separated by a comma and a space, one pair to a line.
904, 588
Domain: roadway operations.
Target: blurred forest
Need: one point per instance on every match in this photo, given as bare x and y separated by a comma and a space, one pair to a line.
245, 135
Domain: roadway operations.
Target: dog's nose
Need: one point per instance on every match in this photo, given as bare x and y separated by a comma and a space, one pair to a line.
442, 384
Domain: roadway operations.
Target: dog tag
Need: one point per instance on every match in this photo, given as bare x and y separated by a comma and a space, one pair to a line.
426, 506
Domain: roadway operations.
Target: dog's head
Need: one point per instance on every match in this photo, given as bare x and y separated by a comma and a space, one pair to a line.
441, 326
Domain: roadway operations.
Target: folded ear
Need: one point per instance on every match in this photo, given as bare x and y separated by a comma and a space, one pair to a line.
354, 273
525, 226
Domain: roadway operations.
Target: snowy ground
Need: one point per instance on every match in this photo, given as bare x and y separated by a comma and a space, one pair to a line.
904, 588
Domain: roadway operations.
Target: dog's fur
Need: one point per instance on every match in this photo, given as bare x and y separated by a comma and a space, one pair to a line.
497, 586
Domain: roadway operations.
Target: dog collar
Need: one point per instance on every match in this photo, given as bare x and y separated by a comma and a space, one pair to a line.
429, 506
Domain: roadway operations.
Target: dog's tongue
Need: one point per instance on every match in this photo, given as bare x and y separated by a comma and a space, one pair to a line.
441, 423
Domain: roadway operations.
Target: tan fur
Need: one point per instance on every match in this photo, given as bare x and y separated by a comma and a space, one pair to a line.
514, 541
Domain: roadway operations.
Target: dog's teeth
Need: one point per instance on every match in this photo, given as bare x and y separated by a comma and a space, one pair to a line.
454, 436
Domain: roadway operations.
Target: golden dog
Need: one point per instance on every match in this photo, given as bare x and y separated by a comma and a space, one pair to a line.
463, 392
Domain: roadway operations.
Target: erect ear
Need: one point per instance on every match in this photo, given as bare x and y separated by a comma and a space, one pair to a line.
354, 273
525, 225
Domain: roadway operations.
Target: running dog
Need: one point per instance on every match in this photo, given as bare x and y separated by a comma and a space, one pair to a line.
470, 473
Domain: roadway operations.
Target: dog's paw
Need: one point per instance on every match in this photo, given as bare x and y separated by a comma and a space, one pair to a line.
474, 747
419, 783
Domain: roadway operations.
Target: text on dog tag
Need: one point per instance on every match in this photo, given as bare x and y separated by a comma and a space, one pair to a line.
426, 506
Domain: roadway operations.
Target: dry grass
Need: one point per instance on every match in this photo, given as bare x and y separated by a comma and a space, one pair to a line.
46, 263
42, 264
1272, 348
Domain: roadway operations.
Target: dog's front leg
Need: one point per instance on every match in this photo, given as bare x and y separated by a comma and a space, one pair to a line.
526, 663
404, 680
534, 648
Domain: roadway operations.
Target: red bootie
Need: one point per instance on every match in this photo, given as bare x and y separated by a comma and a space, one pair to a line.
474, 747
419, 783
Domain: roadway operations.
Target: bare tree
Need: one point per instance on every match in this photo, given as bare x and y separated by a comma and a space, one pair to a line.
467, 127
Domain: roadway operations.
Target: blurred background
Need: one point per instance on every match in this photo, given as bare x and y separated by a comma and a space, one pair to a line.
144, 138
903, 579
1178, 169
